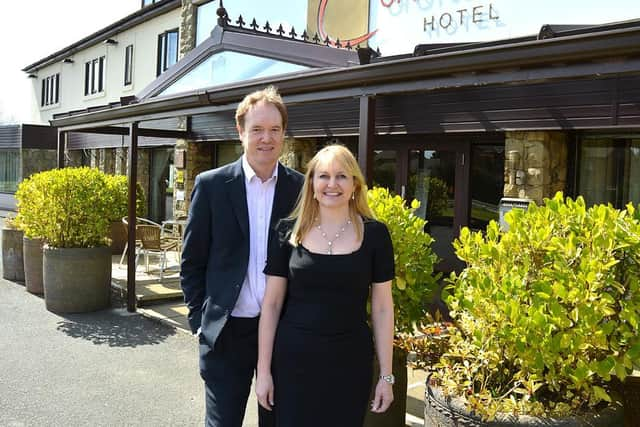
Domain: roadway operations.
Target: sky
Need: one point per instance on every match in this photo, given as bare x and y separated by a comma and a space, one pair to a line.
31, 30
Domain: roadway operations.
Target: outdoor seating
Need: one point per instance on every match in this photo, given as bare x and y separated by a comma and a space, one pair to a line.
125, 221
153, 243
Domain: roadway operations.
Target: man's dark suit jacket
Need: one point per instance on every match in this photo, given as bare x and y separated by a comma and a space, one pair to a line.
216, 242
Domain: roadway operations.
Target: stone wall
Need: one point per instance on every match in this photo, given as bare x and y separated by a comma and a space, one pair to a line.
535, 164
197, 159
37, 160
187, 27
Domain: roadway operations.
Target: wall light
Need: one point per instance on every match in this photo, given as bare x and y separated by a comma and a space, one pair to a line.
111, 41
67, 61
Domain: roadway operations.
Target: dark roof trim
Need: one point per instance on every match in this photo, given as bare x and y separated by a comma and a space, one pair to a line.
136, 18
228, 39
432, 69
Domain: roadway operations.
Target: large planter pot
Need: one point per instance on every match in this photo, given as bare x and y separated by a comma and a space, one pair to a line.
396, 414
118, 237
440, 411
12, 257
77, 280
32, 254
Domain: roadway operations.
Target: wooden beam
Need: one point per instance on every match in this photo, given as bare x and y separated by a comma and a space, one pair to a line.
367, 137
131, 219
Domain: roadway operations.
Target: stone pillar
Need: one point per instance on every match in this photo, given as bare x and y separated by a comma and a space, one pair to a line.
535, 164
197, 158
187, 27
296, 153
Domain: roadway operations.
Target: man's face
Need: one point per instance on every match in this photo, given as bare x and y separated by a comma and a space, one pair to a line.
263, 136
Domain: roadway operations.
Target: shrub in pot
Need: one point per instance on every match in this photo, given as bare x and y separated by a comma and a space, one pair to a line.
73, 211
118, 195
413, 287
31, 193
547, 315
12, 257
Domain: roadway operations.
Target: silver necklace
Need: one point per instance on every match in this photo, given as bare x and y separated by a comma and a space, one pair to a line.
330, 241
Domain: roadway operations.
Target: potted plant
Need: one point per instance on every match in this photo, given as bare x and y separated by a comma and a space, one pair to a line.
30, 194
12, 264
413, 287
119, 200
72, 208
547, 316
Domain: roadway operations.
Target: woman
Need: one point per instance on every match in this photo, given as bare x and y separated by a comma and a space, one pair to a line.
322, 265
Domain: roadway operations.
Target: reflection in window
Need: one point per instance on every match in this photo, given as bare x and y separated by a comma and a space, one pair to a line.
228, 67
9, 170
384, 169
487, 183
609, 170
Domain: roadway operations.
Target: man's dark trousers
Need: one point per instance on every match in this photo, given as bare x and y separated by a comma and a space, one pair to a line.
228, 371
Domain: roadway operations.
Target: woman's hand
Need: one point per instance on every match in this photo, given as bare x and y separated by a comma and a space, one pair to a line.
383, 397
264, 390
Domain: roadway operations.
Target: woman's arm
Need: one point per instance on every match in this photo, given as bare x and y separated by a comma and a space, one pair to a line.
275, 291
382, 319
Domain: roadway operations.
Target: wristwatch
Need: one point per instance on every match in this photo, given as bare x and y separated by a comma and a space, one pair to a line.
388, 378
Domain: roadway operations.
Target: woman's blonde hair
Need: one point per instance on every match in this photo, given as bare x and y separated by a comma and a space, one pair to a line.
307, 208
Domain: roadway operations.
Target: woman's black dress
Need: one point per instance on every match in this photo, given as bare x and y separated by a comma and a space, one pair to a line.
323, 349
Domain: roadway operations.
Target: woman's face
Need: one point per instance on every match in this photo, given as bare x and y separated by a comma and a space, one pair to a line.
333, 186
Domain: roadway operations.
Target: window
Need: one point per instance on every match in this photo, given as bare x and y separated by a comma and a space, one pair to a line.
94, 76
128, 65
9, 170
49, 94
167, 50
609, 170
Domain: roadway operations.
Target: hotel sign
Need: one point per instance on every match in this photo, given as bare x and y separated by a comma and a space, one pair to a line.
397, 26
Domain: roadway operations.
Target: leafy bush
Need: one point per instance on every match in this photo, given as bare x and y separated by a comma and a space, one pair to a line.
415, 282
548, 312
70, 207
119, 197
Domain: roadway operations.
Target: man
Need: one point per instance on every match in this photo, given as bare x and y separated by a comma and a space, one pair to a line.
233, 210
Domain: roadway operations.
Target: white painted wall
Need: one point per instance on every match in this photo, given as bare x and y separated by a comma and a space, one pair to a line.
144, 38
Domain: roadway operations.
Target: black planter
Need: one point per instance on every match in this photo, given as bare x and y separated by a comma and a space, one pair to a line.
441, 411
77, 280
12, 258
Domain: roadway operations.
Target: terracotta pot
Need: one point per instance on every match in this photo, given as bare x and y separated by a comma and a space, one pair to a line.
32, 254
12, 256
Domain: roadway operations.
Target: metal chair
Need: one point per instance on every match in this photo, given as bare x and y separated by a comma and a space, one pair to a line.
139, 221
152, 242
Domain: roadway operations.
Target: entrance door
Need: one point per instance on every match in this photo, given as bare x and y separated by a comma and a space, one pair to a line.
436, 175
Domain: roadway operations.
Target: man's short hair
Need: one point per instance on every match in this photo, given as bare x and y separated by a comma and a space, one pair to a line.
269, 94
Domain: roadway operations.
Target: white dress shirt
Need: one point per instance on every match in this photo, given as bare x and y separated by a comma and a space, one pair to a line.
259, 203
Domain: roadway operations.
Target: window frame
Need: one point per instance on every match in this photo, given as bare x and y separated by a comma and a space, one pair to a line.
128, 65
94, 76
163, 52
50, 90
